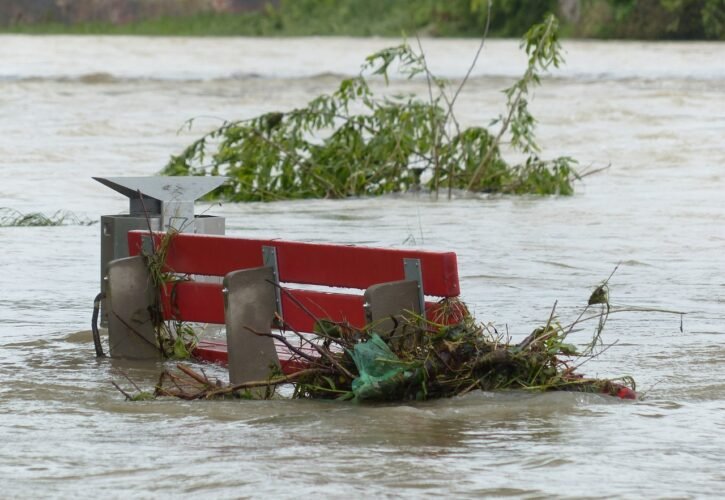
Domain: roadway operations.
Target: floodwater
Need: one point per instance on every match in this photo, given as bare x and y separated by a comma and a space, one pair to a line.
73, 107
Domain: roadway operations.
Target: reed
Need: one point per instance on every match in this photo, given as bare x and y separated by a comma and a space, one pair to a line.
10, 217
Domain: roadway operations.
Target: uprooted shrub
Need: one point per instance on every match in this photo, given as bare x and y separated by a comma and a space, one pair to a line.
355, 143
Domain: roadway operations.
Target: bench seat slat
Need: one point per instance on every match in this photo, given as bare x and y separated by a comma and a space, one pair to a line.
204, 303
332, 306
215, 351
307, 263
194, 301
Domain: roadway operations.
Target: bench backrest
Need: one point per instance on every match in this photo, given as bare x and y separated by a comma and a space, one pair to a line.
326, 265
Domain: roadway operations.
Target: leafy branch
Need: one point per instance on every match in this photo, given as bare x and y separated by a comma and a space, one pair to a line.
355, 143
542, 46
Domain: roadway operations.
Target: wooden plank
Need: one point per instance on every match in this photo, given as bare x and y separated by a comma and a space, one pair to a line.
340, 307
204, 303
307, 263
194, 301
214, 351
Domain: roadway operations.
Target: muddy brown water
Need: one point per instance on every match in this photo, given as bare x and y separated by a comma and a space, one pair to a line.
74, 107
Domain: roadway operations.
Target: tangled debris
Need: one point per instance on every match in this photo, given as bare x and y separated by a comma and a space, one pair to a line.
418, 359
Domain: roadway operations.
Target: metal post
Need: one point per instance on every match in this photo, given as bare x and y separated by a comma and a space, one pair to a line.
155, 204
414, 272
269, 255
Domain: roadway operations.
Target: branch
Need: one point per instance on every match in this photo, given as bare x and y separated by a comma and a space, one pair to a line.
264, 383
512, 109
473, 65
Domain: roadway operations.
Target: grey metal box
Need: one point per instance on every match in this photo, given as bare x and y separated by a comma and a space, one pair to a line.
114, 238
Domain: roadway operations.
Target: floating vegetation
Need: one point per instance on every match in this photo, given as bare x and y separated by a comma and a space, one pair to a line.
356, 143
174, 339
9, 217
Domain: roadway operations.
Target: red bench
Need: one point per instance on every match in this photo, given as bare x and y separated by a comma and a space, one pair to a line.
291, 264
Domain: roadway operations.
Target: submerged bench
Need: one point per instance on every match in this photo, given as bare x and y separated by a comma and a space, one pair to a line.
262, 278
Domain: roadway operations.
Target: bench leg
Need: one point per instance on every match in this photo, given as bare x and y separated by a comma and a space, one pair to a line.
130, 297
385, 301
249, 304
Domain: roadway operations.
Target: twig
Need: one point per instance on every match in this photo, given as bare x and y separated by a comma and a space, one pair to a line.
570, 328
160, 384
306, 310
148, 221
191, 373
294, 299
264, 383
132, 329
131, 381
286, 342
592, 356
127, 395
323, 352
606, 281
436, 158
468, 389
514, 106
587, 173
626, 309
473, 64
531, 338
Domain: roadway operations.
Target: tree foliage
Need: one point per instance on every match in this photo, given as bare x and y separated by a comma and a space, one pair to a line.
354, 143
435, 17
641, 19
657, 19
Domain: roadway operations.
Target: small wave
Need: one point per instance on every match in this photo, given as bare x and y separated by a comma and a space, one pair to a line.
246, 76
502, 78
557, 264
633, 262
94, 78
100, 78
105, 78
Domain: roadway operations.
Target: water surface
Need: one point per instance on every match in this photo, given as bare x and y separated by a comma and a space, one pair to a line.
74, 107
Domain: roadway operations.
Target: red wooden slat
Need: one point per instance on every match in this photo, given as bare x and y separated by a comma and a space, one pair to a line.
308, 263
213, 351
210, 255
332, 306
193, 301
361, 267
204, 303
